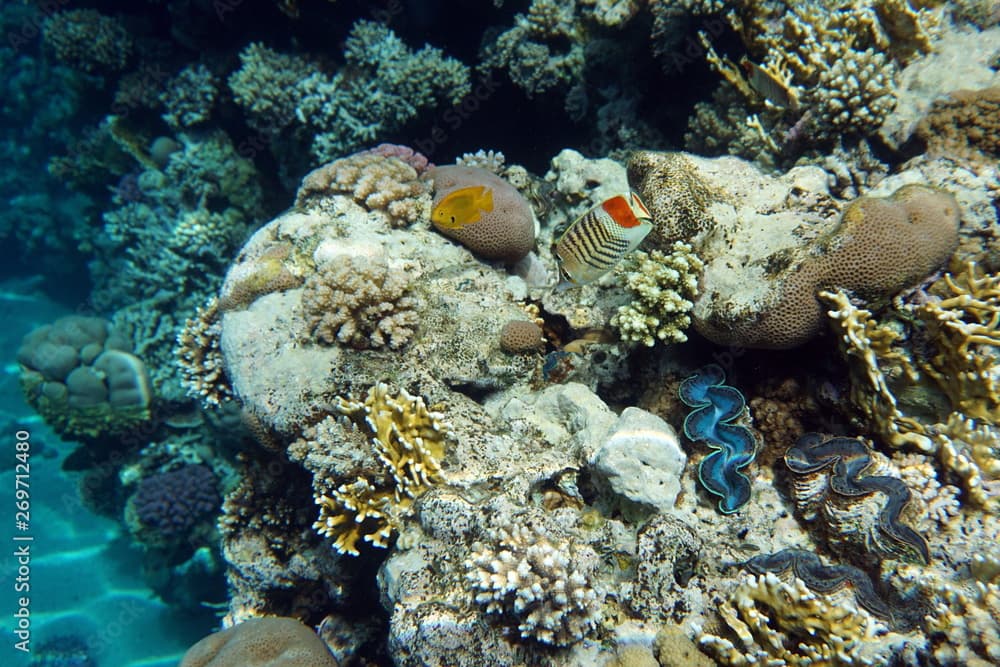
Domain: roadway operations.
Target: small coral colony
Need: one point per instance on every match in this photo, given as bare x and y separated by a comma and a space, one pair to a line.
734, 404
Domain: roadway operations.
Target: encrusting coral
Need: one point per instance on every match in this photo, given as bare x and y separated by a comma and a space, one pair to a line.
662, 287
409, 442
536, 581
361, 302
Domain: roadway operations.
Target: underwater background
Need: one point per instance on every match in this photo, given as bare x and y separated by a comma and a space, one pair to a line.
413, 332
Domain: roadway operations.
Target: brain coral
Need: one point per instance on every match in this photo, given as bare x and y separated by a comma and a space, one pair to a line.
506, 231
261, 642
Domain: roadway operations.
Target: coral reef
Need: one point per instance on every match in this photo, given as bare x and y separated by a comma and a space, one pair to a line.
662, 287
87, 39
361, 304
538, 581
781, 623
189, 97
200, 358
834, 477
714, 421
389, 181
409, 442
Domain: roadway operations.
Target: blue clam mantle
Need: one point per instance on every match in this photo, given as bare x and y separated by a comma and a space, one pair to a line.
716, 407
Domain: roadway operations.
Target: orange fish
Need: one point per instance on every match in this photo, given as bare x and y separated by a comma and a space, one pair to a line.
462, 207
598, 239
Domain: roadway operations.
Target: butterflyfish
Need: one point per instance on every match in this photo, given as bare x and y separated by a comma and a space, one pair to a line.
601, 237
766, 84
462, 207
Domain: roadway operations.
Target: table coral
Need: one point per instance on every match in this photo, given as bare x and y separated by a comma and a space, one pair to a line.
408, 441
662, 287
541, 582
361, 303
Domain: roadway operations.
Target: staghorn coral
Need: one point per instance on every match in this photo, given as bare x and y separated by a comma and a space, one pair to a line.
836, 479
379, 182
408, 441
361, 303
715, 421
87, 39
203, 373
540, 583
662, 287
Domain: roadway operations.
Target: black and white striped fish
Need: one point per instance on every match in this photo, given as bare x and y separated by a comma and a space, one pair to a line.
598, 239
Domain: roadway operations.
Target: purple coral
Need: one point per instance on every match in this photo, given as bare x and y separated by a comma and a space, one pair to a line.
411, 157
171, 503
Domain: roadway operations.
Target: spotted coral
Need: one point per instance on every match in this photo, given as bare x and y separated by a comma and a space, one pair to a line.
541, 583
361, 303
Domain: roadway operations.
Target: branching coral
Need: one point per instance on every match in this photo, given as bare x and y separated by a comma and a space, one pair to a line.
189, 97
361, 303
544, 584
662, 287
543, 50
408, 441
379, 182
87, 39
965, 626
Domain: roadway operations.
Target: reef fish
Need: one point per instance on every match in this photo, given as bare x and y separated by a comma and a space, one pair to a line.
769, 86
597, 240
463, 207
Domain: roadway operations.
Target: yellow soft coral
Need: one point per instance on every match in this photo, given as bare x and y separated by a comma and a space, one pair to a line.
408, 440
